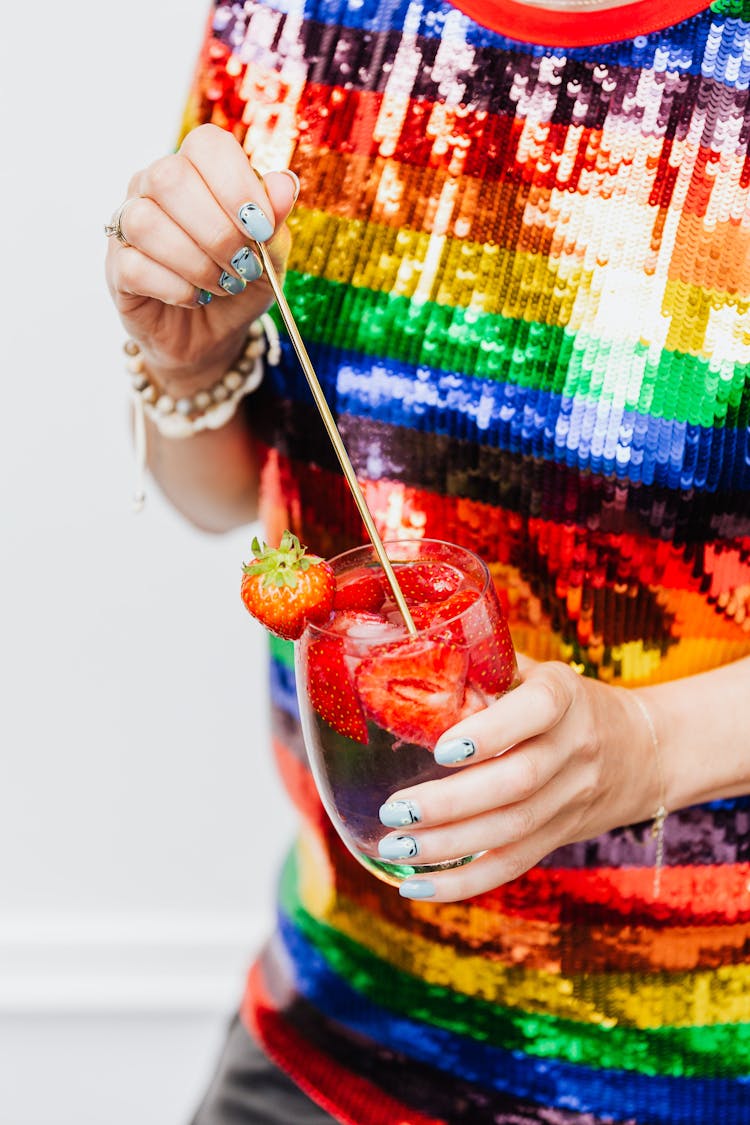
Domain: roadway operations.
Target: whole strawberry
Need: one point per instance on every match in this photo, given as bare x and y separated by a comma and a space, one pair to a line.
285, 588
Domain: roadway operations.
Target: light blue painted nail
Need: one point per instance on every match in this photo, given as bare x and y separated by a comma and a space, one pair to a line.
255, 222
454, 750
204, 297
398, 847
417, 888
247, 264
230, 284
397, 814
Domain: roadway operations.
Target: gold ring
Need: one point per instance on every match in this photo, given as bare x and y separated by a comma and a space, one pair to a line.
114, 226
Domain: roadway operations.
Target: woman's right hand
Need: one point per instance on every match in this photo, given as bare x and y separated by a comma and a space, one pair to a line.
184, 225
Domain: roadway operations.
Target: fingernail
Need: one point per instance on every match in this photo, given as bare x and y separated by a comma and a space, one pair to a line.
255, 222
417, 888
230, 284
454, 750
247, 264
293, 177
397, 814
398, 847
204, 297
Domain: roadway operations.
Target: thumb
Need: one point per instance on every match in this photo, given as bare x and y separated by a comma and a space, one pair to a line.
282, 189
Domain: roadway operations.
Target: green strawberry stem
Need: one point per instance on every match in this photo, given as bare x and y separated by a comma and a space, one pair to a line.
279, 565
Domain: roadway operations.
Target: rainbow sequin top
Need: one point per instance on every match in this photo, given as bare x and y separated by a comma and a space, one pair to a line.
522, 272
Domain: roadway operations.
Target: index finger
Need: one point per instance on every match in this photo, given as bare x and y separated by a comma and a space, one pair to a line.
241, 193
538, 703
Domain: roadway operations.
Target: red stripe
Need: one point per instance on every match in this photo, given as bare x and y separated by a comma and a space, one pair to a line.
704, 895
482, 145
299, 785
350, 1099
527, 23
342, 120
487, 529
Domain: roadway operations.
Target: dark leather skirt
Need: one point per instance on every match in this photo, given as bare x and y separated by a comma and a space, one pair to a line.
248, 1089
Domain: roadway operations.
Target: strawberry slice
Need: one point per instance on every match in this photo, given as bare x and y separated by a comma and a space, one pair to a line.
365, 594
428, 581
492, 667
414, 689
331, 690
429, 615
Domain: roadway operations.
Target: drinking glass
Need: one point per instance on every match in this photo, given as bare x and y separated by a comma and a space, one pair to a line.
374, 698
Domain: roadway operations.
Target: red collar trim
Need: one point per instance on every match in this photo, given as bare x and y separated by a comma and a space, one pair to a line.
530, 24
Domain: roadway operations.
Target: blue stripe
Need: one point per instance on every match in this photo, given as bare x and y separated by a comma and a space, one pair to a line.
618, 1094
283, 689
578, 432
679, 48
739, 803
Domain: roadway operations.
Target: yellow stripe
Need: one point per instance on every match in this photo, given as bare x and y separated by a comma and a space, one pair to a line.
639, 664
686, 658
451, 271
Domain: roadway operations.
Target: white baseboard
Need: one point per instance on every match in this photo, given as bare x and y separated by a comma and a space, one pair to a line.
130, 964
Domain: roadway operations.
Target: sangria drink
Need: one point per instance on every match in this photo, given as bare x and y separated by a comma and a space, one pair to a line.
374, 698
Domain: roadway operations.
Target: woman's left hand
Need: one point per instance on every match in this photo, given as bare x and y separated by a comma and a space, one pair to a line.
561, 758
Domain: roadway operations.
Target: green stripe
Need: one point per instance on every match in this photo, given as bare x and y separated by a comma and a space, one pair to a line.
675, 1051
443, 336
732, 9
674, 385
281, 651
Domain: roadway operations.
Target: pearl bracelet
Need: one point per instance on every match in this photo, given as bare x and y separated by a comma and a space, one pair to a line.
209, 409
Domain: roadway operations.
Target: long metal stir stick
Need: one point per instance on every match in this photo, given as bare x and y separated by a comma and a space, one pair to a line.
333, 433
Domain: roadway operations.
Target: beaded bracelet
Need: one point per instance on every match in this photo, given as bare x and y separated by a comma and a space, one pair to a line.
208, 409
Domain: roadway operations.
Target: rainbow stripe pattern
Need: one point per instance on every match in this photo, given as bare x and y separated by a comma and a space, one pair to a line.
524, 280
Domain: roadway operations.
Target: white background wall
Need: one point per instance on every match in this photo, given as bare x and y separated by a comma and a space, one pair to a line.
141, 821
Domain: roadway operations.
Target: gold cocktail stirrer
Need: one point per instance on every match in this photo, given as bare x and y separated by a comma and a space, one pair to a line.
335, 436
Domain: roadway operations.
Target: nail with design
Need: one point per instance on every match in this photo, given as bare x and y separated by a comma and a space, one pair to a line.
204, 297
454, 750
417, 888
247, 264
398, 847
230, 284
255, 222
397, 814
